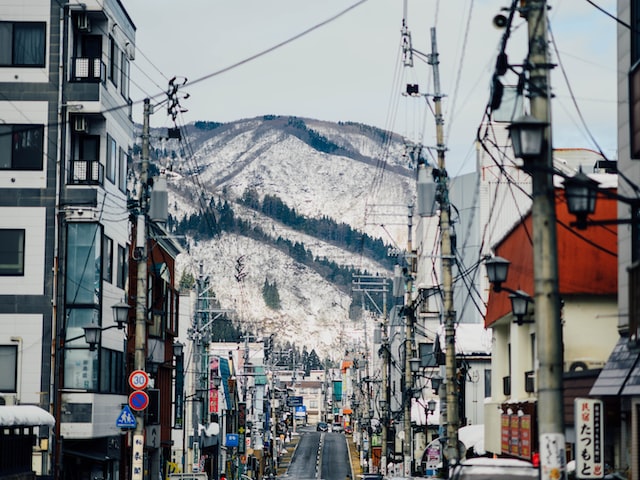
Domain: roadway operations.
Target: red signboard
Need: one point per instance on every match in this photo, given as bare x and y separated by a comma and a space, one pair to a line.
505, 434
515, 437
213, 400
525, 437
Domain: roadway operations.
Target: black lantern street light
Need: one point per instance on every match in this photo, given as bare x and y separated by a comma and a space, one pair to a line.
497, 270
436, 382
177, 349
581, 193
93, 333
527, 137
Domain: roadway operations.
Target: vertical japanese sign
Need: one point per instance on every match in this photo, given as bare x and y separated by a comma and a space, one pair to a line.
214, 369
242, 426
589, 438
553, 460
179, 403
505, 433
137, 457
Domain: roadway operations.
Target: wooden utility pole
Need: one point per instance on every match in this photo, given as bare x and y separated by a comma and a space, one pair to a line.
446, 252
545, 272
140, 253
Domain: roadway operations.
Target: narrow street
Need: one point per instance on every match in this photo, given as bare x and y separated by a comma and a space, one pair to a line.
319, 455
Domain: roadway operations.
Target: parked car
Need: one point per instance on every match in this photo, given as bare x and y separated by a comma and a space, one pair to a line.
337, 427
348, 429
494, 469
322, 427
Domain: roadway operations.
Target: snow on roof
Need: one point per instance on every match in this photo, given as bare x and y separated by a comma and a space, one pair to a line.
470, 338
24, 416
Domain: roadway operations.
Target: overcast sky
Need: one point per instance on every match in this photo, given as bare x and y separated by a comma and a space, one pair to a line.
351, 68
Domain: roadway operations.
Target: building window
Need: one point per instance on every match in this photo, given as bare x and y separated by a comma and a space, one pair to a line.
122, 170
114, 60
124, 77
21, 147
86, 167
487, 383
80, 363
112, 372
22, 44
11, 252
122, 272
9, 370
112, 158
84, 266
107, 259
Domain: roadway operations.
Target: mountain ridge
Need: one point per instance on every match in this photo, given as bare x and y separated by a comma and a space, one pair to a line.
340, 171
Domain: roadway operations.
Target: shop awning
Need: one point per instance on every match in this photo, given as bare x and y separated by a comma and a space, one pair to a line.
621, 373
24, 416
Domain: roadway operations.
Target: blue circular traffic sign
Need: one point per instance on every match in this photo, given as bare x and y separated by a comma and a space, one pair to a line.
139, 400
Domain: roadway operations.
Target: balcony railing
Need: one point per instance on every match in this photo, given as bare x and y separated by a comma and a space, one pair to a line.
89, 70
86, 172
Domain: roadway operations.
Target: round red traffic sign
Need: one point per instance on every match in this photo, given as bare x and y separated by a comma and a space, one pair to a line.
138, 400
138, 380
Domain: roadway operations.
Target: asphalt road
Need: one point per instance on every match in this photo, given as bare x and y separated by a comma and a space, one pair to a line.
320, 455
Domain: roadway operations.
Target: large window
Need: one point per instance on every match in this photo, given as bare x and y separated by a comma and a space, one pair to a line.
11, 252
22, 44
112, 371
122, 169
114, 62
107, 259
9, 370
84, 266
123, 270
124, 77
21, 147
80, 363
112, 158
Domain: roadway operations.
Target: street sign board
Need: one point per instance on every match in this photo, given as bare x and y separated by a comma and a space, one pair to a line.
589, 438
231, 440
137, 457
294, 401
126, 419
138, 380
138, 400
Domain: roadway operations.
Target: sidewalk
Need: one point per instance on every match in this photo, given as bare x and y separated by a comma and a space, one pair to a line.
356, 468
284, 460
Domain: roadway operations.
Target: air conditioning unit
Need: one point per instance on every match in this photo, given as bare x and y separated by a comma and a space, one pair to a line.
130, 51
82, 22
79, 124
8, 398
580, 365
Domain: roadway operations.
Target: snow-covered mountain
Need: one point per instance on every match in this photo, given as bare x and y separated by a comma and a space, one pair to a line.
350, 173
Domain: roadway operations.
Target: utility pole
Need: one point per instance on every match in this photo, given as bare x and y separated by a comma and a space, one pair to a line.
408, 351
139, 358
546, 298
446, 251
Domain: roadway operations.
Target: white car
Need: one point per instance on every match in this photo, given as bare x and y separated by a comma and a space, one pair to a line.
337, 427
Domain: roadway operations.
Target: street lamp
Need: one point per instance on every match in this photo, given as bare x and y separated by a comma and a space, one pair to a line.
436, 382
177, 349
93, 333
497, 270
527, 137
431, 406
581, 193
